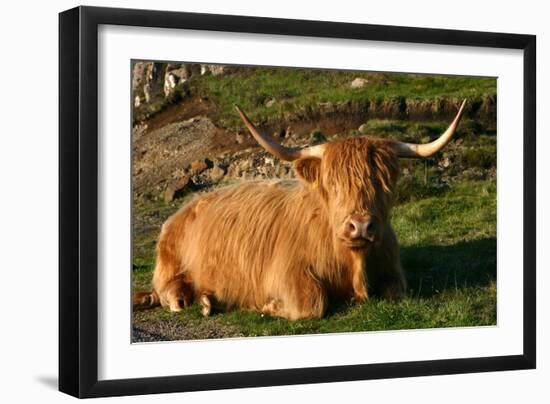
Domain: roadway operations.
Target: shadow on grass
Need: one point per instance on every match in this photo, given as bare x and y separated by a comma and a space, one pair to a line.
435, 269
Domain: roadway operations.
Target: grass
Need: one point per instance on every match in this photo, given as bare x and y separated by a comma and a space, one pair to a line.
467, 307
449, 254
299, 89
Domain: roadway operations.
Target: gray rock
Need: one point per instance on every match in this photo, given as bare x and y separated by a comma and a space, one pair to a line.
169, 194
363, 129
154, 80
269, 103
445, 162
170, 82
359, 82
215, 70
246, 164
198, 166
177, 73
140, 77
239, 138
216, 173
172, 190
147, 81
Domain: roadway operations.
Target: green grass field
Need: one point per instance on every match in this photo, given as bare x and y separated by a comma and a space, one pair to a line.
295, 90
307, 88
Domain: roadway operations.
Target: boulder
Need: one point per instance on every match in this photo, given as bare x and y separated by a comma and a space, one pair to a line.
175, 188
216, 173
363, 129
239, 138
154, 80
359, 82
246, 164
215, 70
177, 73
170, 82
139, 77
198, 166
269, 103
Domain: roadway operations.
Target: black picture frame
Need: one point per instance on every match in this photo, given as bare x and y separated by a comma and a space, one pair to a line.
78, 201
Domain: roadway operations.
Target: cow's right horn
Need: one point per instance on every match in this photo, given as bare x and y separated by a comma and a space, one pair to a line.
426, 150
280, 151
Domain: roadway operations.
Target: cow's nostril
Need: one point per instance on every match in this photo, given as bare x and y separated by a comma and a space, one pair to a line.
351, 228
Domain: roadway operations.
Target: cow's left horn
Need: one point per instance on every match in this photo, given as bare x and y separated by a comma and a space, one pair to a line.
280, 151
429, 149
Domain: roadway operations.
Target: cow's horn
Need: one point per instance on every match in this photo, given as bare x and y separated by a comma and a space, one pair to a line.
282, 152
429, 149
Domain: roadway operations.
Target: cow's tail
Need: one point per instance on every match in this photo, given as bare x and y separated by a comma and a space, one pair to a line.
145, 300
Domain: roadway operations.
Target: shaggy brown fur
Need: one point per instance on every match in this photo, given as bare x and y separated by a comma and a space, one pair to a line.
278, 247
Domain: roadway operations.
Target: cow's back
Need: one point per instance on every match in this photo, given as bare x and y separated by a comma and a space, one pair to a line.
247, 240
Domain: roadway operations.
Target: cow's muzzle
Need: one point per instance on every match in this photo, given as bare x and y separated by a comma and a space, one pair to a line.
358, 231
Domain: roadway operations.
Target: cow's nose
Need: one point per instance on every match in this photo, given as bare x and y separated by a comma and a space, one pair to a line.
361, 227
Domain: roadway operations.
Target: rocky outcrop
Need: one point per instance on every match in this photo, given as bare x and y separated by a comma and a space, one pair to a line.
153, 81
147, 81
215, 70
164, 155
177, 73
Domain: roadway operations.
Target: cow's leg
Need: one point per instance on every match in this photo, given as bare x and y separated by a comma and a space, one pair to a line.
206, 305
177, 292
304, 298
273, 307
359, 277
168, 284
172, 284
171, 281
384, 269
145, 300
391, 285
209, 303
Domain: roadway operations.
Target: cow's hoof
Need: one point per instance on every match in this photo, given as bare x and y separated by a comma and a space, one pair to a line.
272, 307
206, 306
359, 298
175, 307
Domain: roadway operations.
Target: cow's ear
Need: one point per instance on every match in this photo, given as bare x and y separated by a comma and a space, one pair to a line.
309, 169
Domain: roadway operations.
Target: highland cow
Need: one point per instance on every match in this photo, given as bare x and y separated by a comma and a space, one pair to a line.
286, 248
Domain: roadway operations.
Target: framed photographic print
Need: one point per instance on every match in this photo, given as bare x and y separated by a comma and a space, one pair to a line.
250, 201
